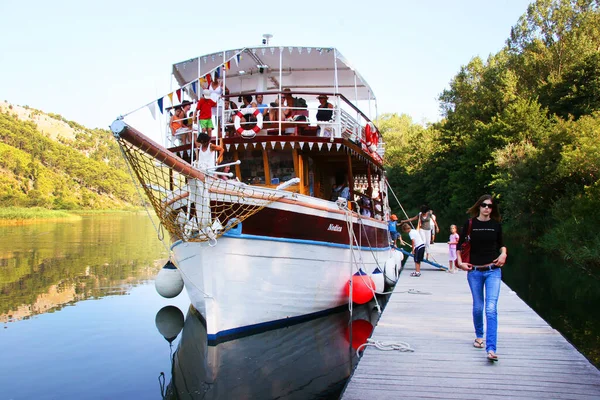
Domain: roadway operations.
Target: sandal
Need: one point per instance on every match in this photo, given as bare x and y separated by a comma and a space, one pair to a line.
415, 274
492, 356
478, 343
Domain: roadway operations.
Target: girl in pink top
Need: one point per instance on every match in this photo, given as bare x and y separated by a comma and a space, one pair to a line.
452, 248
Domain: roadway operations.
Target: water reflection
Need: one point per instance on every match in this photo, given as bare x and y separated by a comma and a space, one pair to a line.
46, 266
307, 360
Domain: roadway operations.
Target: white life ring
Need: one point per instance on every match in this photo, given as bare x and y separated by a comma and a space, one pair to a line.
237, 122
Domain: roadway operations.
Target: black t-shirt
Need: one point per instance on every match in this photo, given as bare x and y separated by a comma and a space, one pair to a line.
486, 240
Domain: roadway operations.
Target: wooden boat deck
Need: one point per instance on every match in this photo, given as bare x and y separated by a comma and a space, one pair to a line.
535, 360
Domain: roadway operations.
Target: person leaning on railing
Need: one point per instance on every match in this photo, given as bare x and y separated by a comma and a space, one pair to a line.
324, 114
180, 124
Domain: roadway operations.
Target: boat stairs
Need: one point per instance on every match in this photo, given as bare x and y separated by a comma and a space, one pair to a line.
432, 313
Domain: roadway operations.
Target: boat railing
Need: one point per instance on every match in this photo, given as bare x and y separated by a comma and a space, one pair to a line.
346, 121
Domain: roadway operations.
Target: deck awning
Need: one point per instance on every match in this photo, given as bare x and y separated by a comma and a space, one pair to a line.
264, 68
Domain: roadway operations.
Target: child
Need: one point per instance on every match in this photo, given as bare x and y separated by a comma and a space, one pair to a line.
206, 152
418, 247
452, 249
393, 229
204, 112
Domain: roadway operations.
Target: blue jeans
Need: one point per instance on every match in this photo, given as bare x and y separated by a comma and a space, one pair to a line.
491, 281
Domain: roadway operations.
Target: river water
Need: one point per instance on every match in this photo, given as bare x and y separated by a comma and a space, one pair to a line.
81, 319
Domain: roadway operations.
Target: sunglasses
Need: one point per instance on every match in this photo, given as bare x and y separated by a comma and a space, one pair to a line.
486, 205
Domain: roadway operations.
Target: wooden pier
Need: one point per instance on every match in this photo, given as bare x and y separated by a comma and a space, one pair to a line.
433, 314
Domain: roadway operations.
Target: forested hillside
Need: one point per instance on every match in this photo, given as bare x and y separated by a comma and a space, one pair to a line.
81, 169
524, 126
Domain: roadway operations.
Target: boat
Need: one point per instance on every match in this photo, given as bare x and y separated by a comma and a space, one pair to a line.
308, 360
273, 240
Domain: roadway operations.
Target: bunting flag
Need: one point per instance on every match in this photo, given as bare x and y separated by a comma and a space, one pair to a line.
227, 146
338, 146
194, 87
160, 104
272, 50
273, 145
329, 146
264, 145
208, 79
320, 145
236, 145
152, 110
227, 65
171, 98
263, 50
238, 58
310, 145
253, 145
205, 59
300, 50
290, 49
178, 92
218, 72
308, 50
245, 145
301, 145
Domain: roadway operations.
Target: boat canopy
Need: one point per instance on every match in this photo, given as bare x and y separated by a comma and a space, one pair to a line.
272, 68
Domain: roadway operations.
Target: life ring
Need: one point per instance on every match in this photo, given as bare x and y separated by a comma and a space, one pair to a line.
372, 137
237, 122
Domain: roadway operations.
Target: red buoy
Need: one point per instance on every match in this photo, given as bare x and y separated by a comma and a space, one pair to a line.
361, 331
362, 288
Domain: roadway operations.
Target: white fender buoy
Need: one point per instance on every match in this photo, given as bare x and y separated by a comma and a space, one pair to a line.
168, 282
379, 280
391, 271
169, 322
398, 258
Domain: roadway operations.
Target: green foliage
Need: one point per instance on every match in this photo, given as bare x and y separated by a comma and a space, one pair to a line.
87, 172
523, 126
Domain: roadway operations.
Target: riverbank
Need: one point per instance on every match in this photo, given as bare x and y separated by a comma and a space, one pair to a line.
21, 216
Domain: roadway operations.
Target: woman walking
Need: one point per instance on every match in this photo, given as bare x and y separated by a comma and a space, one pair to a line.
483, 232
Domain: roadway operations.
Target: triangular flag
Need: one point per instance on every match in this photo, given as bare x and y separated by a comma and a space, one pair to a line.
218, 72
237, 60
329, 146
194, 87
205, 59
228, 65
300, 50
273, 145
178, 91
338, 146
308, 50
208, 79
272, 50
254, 145
213, 57
290, 49
160, 104
152, 110
320, 145
263, 50
310, 145
264, 145
301, 144
227, 146
236, 145
245, 145
171, 98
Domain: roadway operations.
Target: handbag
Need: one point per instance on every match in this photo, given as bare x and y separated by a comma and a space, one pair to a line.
465, 249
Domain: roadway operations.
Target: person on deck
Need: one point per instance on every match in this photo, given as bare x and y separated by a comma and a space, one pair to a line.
324, 114
340, 189
206, 153
204, 112
483, 232
180, 124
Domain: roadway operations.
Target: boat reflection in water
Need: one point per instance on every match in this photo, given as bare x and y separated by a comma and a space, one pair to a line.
310, 359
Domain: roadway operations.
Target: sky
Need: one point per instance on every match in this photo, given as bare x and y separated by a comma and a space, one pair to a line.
91, 61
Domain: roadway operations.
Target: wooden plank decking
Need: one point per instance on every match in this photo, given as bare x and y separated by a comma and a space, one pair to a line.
535, 360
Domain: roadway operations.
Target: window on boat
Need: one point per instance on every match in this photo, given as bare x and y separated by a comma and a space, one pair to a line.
252, 167
281, 165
